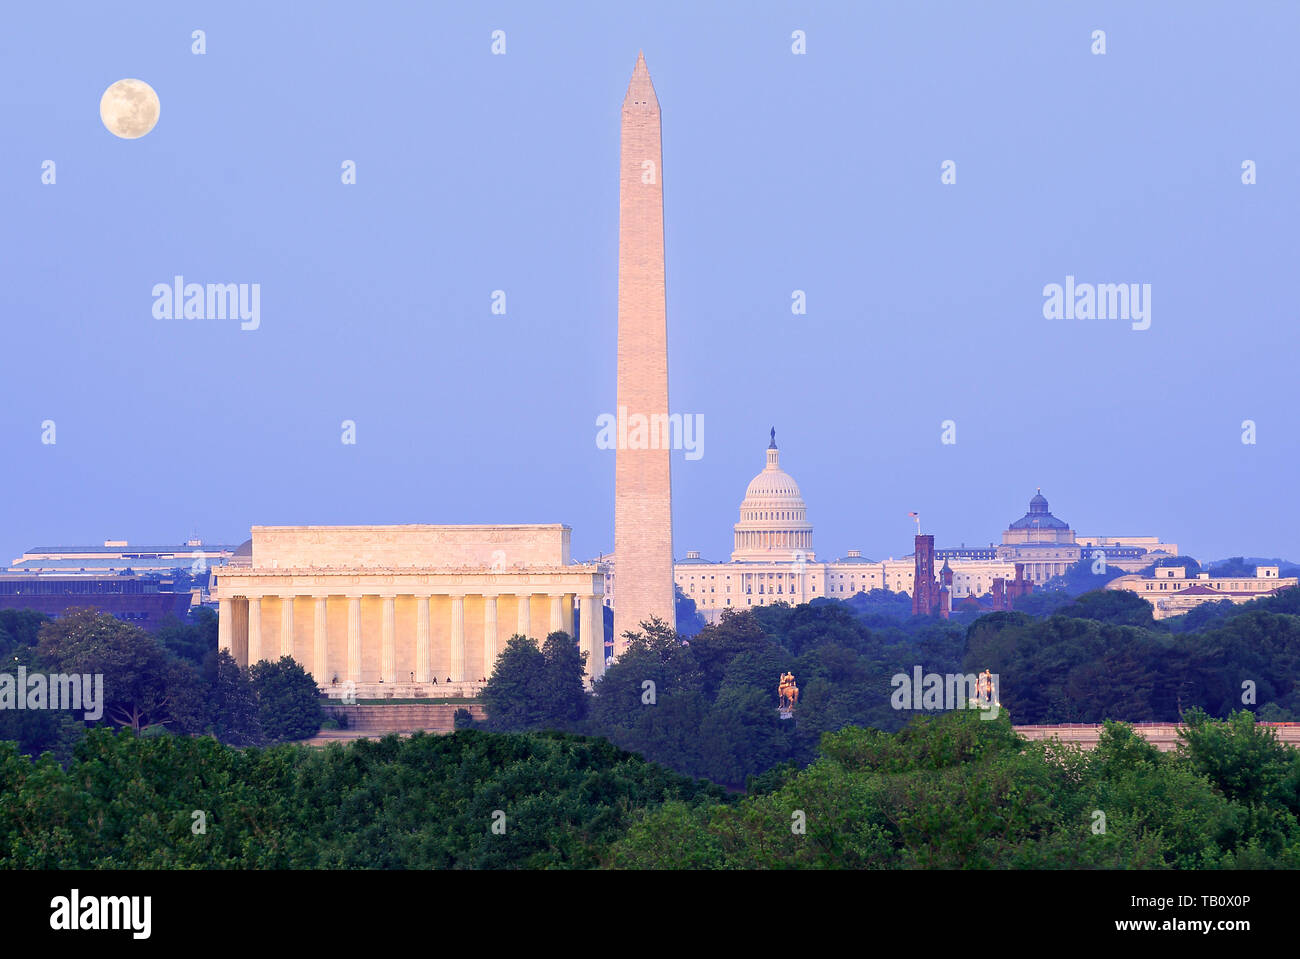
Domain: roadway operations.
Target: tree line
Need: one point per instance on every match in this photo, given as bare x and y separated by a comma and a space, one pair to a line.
174, 682
706, 706
948, 791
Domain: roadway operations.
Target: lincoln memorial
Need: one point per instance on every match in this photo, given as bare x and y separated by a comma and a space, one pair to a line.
404, 611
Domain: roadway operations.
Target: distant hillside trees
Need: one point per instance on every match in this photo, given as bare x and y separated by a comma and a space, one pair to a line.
535, 688
689, 620
706, 706
958, 792
288, 702
147, 686
470, 800
193, 640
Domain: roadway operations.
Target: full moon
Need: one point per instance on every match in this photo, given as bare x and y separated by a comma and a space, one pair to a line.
129, 109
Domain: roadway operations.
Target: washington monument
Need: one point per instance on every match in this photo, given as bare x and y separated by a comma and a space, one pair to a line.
643, 509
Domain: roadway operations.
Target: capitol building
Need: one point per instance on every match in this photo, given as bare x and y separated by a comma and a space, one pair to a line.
773, 559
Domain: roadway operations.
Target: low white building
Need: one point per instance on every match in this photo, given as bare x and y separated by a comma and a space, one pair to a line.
773, 560
1171, 593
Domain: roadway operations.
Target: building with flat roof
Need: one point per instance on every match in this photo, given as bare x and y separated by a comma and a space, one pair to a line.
194, 558
134, 599
1171, 593
404, 611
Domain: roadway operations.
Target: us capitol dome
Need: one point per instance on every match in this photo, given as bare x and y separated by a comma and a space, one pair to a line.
773, 523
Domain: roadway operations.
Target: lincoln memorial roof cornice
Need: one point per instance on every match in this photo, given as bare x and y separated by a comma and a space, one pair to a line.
478, 572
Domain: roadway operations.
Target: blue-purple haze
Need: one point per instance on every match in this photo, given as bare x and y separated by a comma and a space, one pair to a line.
818, 172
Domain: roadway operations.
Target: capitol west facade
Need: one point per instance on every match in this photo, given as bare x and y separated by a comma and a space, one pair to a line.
773, 559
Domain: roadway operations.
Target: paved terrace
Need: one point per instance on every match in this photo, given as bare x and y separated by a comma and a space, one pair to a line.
1164, 736
375, 721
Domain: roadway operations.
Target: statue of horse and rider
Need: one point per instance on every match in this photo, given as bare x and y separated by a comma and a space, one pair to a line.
788, 691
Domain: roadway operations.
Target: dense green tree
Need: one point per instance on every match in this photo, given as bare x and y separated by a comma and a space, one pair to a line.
1186, 562
233, 715
191, 641
689, 620
563, 670
1042, 602
882, 603
533, 689
960, 792
1244, 760
19, 628
515, 694
1201, 617
1117, 606
36, 731
1098, 656
655, 654
288, 701
950, 791
715, 648
1085, 576
141, 681
1234, 566
741, 736
466, 800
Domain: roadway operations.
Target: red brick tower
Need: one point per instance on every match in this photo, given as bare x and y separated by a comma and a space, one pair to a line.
925, 593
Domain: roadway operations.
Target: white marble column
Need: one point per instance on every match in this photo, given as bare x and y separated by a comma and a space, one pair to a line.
593, 636
388, 652
458, 639
254, 629
525, 620
489, 635
557, 613
354, 638
423, 644
320, 647
226, 626
286, 626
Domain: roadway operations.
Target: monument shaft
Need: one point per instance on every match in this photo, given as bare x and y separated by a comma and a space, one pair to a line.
643, 516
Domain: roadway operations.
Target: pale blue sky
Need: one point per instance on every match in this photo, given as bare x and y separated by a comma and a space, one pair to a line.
781, 172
